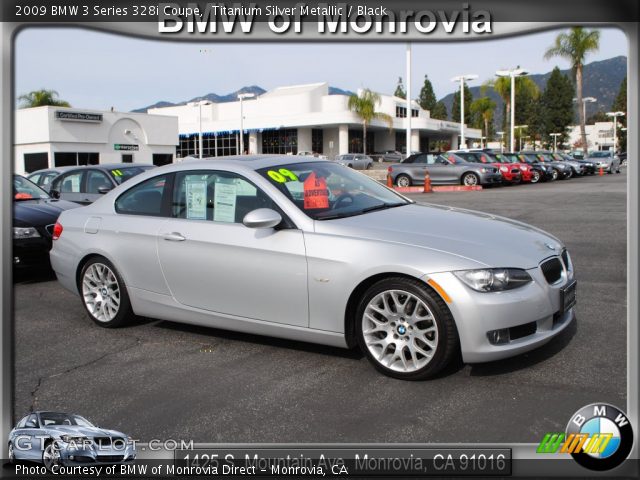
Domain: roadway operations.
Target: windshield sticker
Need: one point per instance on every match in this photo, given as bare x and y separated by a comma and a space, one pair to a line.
316, 194
196, 192
283, 175
224, 203
116, 173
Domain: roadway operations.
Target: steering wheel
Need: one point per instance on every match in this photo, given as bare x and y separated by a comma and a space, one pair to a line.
341, 198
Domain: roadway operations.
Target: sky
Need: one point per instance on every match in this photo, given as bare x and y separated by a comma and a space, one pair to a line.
95, 70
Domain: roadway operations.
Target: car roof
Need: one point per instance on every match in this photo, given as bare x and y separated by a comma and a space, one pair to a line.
252, 162
106, 166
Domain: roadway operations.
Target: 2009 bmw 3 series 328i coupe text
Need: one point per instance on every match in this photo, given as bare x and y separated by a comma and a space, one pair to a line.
313, 251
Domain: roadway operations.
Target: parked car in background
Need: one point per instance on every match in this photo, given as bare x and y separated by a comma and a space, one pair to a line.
577, 154
532, 173
577, 168
311, 251
58, 439
357, 161
43, 178
392, 156
446, 168
510, 173
623, 158
34, 216
549, 173
606, 160
85, 184
563, 169
589, 167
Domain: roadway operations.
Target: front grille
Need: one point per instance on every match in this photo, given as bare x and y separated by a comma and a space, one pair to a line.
552, 270
102, 441
565, 258
522, 331
515, 170
110, 458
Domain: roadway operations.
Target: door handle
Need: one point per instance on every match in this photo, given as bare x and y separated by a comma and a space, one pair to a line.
174, 237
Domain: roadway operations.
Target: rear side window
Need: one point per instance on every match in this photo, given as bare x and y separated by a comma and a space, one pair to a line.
145, 198
70, 183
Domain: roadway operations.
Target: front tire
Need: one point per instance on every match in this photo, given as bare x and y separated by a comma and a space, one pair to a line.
535, 176
104, 294
470, 179
554, 175
405, 329
403, 181
50, 456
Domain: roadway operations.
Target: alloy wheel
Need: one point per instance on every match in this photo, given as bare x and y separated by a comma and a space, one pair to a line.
101, 292
400, 331
470, 180
535, 176
12, 455
50, 456
403, 181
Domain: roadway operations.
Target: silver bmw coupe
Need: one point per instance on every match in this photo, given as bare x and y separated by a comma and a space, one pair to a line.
313, 251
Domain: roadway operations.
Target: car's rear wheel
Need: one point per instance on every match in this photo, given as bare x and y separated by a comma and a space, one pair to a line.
470, 179
554, 175
535, 176
50, 456
104, 294
405, 329
403, 181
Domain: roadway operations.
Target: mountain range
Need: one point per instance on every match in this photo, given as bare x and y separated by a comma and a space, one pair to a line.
601, 80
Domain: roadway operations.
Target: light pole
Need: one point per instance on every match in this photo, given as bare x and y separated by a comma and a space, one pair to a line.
408, 99
241, 97
555, 137
513, 73
615, 116
501, 141
586, 100
519, 127
199, 105
461, 79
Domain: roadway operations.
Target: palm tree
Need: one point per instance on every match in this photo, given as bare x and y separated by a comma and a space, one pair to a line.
38, 98
502, 86
484, 107
364, 105
574, 46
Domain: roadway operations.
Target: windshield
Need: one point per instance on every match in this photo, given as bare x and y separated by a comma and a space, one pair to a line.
508, 158
121, 175
53, 418
600, 154
24, 189
325, 191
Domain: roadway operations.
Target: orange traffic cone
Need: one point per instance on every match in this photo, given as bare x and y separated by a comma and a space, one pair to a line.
427, 183
601, 171
389, 181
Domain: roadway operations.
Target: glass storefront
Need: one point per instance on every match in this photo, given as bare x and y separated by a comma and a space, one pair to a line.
355, 141
219, 145
281, 141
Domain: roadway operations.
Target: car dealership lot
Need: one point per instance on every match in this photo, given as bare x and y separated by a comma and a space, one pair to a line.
164, 380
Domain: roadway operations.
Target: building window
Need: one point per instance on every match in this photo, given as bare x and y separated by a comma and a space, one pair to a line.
401, 141
35, 161
415, 113
280, 141
401, 112
317, 140
355, 141
160, 159
67, 159
219, 145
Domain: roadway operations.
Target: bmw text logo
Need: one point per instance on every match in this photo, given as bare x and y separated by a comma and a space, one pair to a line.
601, 436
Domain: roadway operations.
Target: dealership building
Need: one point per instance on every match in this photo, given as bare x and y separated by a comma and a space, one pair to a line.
49, 136
292, 119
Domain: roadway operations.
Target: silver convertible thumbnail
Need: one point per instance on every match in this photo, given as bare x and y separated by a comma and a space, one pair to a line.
313, 251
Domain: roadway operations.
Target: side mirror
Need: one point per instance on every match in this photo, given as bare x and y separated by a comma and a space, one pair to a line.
104, 189
262, 218
55, 194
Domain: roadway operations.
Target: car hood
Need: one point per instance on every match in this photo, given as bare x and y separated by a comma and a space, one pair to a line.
84, 431
487, 239
39, 212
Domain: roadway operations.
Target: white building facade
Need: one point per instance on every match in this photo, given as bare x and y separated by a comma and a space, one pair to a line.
599, 135
49, 136
299, 118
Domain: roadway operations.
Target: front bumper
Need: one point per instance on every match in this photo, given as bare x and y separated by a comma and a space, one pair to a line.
82, 455
490, 178
31, 253
534, 308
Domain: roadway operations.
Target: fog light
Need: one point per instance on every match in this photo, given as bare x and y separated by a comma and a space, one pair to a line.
499, 337
72, 458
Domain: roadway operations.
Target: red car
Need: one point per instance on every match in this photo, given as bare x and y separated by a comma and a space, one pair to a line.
510, 172
527, 174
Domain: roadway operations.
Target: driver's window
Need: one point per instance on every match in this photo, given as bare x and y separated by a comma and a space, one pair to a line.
32, 422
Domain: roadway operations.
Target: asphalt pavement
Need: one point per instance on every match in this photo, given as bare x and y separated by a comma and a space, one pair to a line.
159, 380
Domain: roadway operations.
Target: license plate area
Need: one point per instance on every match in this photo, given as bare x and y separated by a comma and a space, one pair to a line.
568, 296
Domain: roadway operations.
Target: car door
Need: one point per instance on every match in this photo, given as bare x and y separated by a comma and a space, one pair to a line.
438, 170
212, 261
96, 184
69, 185
31, 439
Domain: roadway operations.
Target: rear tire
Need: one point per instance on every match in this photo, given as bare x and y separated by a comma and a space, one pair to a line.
104, 294
470, 179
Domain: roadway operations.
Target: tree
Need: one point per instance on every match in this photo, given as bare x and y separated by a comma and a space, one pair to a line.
439, 111
39, 98
556, 106
599, 116
574, 46
400, 91
455, 108
483, 109
427, 99
364, 105
620, 105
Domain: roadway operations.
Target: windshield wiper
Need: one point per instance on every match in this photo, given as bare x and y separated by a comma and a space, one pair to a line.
383, 206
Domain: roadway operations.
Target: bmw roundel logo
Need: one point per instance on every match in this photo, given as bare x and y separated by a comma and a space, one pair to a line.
402, 330
605, 434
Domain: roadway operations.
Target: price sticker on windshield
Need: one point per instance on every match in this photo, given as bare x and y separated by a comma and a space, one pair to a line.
282, 176
316, 194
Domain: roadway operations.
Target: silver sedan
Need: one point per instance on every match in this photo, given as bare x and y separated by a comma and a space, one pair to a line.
313, 251
355, 160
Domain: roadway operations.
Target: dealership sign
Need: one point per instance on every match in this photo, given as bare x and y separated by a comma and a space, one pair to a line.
128, 147
78, 116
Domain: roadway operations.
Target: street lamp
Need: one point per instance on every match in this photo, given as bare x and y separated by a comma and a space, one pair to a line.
555, 138
513, 73
461, 79
519, 127
199, 105
241, 97
501, 141
615, 116
586, 100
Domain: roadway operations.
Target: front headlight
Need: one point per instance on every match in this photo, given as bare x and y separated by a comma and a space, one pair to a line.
483, 170
25, 232
494, 279
504, 169
77, 440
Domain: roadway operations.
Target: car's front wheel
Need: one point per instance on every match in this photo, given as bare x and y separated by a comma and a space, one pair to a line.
50, 456
554, 174
470, 179
403, 181
104, 294
535, 176
405, 329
